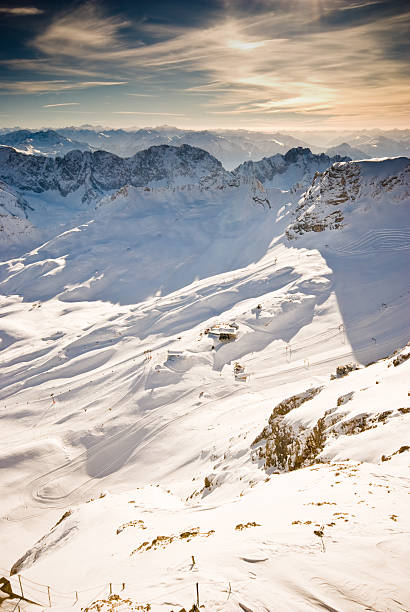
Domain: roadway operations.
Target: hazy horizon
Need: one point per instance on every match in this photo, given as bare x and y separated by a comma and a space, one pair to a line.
129, 128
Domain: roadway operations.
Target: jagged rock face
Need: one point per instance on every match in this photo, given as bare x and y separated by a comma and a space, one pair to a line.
175, 166
347, 187
98, 172
293, 171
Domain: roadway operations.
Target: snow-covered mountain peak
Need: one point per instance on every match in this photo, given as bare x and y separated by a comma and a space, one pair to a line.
293, 171
350, 190
100, 171
173, 166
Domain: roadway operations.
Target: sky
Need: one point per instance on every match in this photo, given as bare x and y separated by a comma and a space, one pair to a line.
228, 64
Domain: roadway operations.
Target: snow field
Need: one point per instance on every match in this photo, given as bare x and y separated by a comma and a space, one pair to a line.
91, 403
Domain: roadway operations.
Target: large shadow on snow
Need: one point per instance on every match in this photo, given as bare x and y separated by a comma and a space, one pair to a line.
109, 456
137, 261
293, 317
373, 297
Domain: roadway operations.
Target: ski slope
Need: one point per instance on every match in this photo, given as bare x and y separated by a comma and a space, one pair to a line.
93, 404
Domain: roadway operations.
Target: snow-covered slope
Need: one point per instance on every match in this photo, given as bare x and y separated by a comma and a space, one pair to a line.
15, 229
293, 171
161, 353
44, 142
11, 202
343, 520
139, 243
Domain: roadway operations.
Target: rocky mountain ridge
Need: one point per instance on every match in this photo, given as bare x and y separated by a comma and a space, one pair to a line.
99, 171
349, 188
314, 192
293, 171
158, 166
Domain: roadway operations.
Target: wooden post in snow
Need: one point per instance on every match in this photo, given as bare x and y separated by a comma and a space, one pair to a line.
197, 595
21, 587
49, 595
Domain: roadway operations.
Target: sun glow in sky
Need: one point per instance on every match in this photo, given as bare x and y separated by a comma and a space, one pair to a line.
244, 45
223, 63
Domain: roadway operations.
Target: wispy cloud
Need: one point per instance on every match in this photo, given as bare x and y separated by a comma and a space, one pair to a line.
356, 5
61, 104
79, 31
338, 59
29, 87
141, 95
21, 10
52, 66
148, 113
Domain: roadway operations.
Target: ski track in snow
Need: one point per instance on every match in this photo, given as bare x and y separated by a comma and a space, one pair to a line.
376, 241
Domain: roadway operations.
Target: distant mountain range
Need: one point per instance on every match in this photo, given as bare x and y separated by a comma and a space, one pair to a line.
345, 149
44, 142
231, 147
